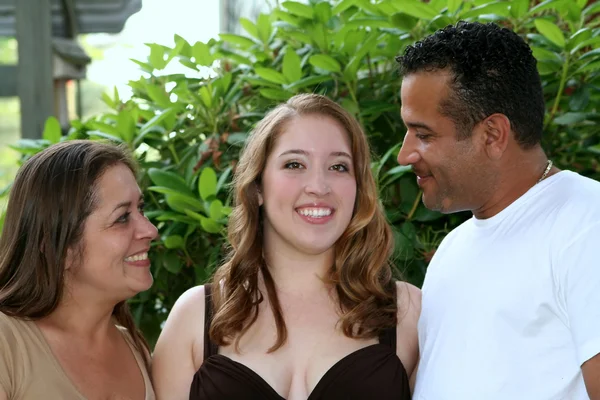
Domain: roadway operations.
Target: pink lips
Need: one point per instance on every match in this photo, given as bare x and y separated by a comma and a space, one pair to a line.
316, 214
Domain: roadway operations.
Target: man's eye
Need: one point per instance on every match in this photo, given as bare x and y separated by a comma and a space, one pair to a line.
293, 165
423, 136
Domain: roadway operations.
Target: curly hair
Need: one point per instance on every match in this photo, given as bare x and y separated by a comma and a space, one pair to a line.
494, 72
361, 274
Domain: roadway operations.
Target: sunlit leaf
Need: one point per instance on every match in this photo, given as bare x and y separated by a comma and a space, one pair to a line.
550, 32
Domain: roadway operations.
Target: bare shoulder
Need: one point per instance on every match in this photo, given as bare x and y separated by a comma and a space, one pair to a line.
179, 350
409, 301
409, 310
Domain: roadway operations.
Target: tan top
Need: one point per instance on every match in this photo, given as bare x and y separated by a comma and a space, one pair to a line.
29, 370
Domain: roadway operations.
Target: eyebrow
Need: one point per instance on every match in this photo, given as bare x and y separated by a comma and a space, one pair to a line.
417, 125
306, 153
126, 204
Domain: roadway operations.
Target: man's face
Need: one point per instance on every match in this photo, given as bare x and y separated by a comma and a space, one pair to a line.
450, 172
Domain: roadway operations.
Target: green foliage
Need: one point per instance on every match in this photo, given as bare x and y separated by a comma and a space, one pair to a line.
187, 129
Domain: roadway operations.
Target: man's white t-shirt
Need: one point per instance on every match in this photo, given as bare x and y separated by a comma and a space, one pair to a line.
511, 304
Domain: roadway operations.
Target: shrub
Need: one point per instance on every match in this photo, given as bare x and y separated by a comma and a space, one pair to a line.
187, 128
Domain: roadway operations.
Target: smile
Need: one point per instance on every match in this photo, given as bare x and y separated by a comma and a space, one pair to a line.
315, 212
137, 257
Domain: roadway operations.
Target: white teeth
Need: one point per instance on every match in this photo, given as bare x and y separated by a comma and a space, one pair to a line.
315, 212
137, 257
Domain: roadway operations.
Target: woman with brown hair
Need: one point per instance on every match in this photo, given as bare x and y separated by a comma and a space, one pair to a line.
306, 306
73, 249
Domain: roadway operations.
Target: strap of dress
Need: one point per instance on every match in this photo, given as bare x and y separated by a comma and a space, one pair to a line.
210, 348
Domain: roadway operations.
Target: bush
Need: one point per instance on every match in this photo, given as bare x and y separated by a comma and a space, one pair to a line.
187, 128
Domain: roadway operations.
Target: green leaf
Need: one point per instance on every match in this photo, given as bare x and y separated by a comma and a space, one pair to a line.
169, 180
172, 262
299, 9
249, 26
215, 210
292, 70
271, 75
201, 54
287, 17
342, 6
154, 121
542, 54
180, 202
557, 5
317, 32
52, 131
98, 134
404, 21
264, 27
102, 127
308, 81
592, 9
501, 9
205, 96
275, 94
210, 226
570, 118
126, 125
157, 56
519, 8
591, 42
580, 98
453, 6
223, 178
550, 32
325, 62
416, 8
158, 95
174, 242
207, 184
207, 224
241, 41
590, 54
323, 12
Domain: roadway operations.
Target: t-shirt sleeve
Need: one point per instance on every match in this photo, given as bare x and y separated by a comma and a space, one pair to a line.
580, 280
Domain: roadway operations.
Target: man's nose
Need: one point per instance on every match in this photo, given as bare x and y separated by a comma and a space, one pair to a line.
408, 154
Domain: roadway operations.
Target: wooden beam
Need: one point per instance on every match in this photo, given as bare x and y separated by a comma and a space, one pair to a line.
34, 74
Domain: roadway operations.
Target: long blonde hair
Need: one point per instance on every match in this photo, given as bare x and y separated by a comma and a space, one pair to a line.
361, 274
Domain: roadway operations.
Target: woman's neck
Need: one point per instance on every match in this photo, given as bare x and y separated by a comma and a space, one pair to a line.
298, 272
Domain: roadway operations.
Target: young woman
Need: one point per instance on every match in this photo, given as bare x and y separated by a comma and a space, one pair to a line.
74, 247
306, 306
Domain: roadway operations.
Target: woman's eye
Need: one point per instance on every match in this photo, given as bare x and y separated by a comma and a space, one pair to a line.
340, 168
293, 165
123, 219
141, 207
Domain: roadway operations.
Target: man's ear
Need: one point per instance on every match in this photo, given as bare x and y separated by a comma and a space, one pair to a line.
496, 133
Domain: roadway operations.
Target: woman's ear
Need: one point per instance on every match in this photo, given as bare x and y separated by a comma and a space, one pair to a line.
259, 194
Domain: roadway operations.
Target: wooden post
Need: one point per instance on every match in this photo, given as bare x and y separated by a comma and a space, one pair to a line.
34, 75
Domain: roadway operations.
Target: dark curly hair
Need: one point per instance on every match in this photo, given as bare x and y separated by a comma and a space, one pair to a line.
494, 72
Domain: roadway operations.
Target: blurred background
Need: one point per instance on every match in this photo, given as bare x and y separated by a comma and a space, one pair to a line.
78, 95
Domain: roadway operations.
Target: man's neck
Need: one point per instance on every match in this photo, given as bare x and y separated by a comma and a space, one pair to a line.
519, 174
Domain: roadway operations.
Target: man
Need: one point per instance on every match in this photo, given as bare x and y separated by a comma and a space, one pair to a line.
511, 300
